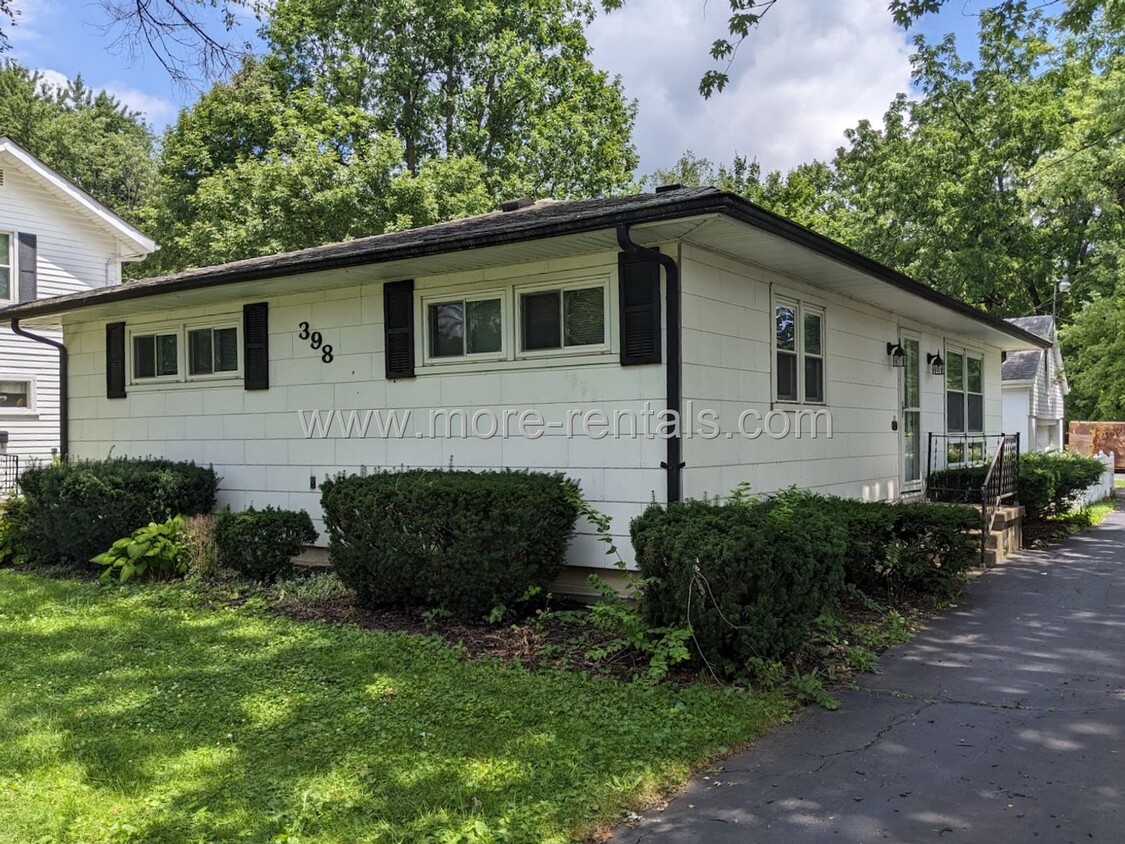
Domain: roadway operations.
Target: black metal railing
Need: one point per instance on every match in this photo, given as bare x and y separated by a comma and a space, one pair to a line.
1001, 484
957, 451
9, 474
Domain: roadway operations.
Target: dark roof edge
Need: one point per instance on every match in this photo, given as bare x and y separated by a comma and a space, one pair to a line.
317, 260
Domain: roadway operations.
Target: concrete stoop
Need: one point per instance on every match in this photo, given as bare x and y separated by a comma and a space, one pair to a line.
1006, 536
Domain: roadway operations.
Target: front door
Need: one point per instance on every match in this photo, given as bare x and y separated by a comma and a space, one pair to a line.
911, 393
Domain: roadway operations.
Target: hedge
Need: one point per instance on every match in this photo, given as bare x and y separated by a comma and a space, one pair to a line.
458, 541
262, 543
76, 509
749, 578
1049, 482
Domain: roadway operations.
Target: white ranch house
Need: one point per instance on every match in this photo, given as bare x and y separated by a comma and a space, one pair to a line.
1035, 389
55, 239
560, 308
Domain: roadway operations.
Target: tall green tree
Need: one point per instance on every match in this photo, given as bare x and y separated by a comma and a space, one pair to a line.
89, 136
506, 82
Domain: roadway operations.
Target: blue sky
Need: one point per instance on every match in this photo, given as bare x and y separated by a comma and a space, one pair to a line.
813, 68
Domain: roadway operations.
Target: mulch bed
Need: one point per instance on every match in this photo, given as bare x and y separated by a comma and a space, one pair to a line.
542, 643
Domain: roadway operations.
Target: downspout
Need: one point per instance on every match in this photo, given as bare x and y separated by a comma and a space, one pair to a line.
64, 384
673, 464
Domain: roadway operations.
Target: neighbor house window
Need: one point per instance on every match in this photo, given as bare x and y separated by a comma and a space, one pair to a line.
799, 352
460, 327
156, 355
212, 351
5, 266
15, 394
566, 318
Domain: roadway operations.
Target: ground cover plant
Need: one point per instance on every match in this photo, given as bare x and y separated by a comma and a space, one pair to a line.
133, 713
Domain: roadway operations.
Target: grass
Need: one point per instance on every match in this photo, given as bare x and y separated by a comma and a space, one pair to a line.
1057, 528
133, 714
1119, 482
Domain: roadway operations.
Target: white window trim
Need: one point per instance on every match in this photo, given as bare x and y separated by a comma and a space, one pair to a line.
563, 351
32, 408
13, 270
800, 304
181, 329
968, 438
427, 299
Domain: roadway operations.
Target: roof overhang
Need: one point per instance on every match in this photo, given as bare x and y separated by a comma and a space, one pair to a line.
69, 192
712, 219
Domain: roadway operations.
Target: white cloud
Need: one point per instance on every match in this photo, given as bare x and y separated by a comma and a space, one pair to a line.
811, 69
158, 110
54, 78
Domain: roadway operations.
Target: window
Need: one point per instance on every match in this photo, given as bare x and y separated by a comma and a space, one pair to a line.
964, 393
562, 319
5, 266
16, 394
465, 327
155, 355
185, 352
964, 405
799, 352
212, 351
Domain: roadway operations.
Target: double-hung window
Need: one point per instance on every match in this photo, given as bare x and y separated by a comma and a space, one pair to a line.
6, 280
799, 352
563, 318
464, 327
964, 405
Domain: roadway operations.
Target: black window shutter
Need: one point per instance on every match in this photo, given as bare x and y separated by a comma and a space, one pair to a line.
256, 346
398, 328
28, 261
638, 284
115, 360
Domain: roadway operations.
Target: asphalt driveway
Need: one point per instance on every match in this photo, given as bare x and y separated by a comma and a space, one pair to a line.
1002, 722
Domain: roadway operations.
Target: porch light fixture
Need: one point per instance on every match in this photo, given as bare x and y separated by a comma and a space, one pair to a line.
897, 354
937, 363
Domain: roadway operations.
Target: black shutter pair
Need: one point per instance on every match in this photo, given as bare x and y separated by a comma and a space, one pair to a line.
398, 329
638, 290
255, 352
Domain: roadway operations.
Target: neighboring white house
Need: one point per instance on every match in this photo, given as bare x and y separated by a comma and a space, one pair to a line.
54, 239
1035, 389
544, 311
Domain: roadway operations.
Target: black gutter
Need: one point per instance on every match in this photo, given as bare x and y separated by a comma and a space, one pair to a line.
64, 384
518, 227
673, 464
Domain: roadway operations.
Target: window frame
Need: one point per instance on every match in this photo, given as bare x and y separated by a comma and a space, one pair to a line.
586, 283
181, 330
213, 326
801, 306
907, 337
13, 270
32, 408
969, 441
428, 299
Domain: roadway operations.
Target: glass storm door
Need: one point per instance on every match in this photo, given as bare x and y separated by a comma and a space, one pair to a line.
911, 416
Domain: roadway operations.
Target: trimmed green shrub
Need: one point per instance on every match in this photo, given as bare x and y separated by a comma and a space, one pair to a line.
262, 543
77, 509
458, 541
1049, 482
15, 533
749, 577
897, 549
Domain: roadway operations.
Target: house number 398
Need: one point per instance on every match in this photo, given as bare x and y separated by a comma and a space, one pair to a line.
316, 342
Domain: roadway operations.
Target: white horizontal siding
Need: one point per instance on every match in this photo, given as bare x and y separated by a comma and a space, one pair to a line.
255, 442
728, 366
74, 254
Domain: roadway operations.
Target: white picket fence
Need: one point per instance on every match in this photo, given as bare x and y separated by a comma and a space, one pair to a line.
1103, 488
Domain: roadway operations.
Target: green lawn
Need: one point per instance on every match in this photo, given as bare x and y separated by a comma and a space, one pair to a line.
131, 714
